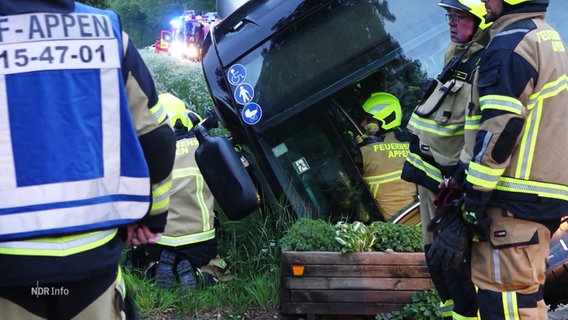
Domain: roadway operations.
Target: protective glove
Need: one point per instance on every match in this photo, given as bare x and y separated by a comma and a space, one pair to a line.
478, 222
446, 214
450, 245
474, 213
452, 237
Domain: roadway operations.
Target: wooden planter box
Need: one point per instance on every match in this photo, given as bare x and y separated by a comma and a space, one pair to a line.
367, 283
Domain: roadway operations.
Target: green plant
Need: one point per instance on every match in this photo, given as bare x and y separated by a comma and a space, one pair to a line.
422, 306
310, 235
396, 237
319, 235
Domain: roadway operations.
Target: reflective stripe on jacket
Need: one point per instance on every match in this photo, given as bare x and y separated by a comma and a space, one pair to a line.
520, 151
440, 121
191, 215
382, 166
63, 169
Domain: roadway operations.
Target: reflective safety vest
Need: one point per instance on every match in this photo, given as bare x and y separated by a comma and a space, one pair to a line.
191, 216
70, 160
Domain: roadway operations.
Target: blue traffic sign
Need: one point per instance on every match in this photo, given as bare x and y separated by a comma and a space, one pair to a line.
251, 113
244, 93
236, 74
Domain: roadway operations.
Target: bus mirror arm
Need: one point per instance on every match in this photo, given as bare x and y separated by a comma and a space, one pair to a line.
211, 119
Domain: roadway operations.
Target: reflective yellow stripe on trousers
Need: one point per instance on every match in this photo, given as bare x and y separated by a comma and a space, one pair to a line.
187, 239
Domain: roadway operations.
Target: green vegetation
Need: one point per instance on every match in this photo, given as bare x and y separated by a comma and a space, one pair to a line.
250, 246
422, 306
379, 236
319, 235
310, 235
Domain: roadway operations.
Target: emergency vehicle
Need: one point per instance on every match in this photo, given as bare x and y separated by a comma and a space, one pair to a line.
164, 43
288, 78
184, 38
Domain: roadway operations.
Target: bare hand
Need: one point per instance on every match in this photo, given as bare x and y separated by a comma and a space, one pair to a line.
137, 235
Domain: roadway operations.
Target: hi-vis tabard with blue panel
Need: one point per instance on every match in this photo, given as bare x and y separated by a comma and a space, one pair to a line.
70, 160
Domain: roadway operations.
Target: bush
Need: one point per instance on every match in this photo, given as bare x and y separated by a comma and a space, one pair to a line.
422, 306
310, 235
319, 235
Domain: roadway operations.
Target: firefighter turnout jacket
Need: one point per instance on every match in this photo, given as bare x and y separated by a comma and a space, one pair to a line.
382, 166
438, 122
73, 168
518, 172
191, 216
519, 150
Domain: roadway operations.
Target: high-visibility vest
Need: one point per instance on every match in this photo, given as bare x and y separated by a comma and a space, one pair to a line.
70, 160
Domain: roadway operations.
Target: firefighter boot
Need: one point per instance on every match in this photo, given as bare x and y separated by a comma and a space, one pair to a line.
164, 270
186, 274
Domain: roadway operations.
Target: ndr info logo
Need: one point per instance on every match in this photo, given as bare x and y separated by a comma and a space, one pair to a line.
49, 291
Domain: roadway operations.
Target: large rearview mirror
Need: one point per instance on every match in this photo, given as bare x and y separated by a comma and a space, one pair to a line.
225, 174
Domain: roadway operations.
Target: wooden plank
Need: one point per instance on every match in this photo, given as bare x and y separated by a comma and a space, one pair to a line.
337, 308
284, 294
366, 283
356, 283
357, 258
356, 296
349, 271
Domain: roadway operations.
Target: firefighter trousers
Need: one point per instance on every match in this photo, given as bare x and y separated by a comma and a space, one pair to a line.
509, 269
427, 210
454, 286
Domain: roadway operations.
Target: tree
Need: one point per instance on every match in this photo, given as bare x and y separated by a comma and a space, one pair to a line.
143, 19
102, 4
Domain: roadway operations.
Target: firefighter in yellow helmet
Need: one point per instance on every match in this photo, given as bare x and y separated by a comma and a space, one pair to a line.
517, 174
438, 126
384, 151
189, 241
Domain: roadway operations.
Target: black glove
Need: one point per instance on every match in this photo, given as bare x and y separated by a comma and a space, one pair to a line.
450, 245
452, 238
478, 222
474, 208
446, 214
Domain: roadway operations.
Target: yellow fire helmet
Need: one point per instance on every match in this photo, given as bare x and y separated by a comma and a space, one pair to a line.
475, 7
515, 2
177, 111
385, 108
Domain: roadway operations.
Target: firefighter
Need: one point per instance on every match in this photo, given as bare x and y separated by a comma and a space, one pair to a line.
517, 177
189, 241
438, 127
383, 153
86, 160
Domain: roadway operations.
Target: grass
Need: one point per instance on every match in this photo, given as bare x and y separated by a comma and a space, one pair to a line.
252, 256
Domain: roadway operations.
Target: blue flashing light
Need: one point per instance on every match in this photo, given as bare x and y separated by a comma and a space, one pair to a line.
175, 23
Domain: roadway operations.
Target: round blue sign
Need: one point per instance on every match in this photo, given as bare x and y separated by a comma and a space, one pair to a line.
244, 93
236, 74
251, 113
